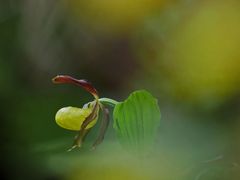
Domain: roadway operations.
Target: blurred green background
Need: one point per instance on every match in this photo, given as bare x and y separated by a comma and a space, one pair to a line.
185, 52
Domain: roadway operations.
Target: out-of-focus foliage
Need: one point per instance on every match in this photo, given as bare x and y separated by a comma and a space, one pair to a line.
195, 52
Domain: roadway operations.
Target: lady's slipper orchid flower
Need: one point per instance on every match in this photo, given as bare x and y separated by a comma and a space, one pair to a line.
82, 119
136, 119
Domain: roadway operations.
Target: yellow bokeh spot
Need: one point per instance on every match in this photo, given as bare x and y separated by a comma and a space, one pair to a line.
205, 56
112, 15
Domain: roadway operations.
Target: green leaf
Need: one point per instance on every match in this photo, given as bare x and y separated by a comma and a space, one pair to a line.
136, 121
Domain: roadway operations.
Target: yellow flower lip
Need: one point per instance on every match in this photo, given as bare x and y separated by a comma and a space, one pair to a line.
72, 118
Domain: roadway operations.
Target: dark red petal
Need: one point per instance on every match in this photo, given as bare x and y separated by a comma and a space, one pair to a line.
83, 131
70, 80
103, 127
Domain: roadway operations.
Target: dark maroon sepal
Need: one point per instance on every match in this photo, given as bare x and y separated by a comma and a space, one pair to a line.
61, 79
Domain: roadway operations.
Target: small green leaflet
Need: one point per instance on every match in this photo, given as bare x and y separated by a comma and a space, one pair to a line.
136, 121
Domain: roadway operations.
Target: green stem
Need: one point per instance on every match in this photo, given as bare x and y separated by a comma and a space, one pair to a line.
108, 101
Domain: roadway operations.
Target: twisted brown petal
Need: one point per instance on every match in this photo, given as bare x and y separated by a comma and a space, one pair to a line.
83, 131
103, 127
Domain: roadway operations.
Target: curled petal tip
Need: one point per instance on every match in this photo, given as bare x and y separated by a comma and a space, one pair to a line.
62, 79
73, 147
55, 79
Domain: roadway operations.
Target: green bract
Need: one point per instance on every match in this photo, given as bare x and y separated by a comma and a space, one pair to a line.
136, 120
